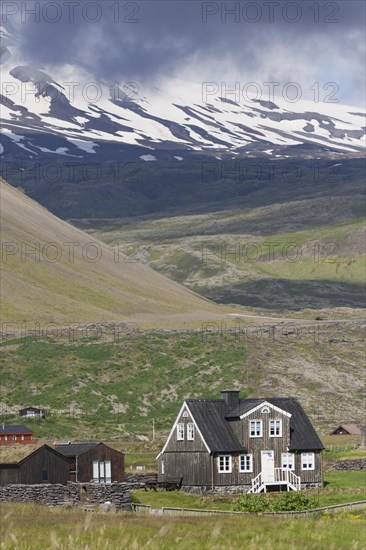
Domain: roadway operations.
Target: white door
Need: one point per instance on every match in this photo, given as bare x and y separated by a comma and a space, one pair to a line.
267, 466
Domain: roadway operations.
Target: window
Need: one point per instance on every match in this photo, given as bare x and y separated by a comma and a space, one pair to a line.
288, 462
246, 463
22, 437
255, 428
162, 468
180, 432
14, 437
265, 410
44, 475
102, 471
185, 414
190, 432
307, 461
224, 464
275, 428
5, 438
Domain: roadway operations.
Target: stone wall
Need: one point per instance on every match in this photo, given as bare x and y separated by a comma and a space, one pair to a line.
216, 490
140, 478
74, 494
355, 464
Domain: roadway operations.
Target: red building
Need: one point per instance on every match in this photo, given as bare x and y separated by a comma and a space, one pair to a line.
10, 435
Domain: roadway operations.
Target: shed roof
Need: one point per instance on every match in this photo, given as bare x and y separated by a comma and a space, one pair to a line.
352, 429
20, 462
16, 429
75, 449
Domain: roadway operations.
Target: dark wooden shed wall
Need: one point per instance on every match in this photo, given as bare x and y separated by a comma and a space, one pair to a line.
101, 452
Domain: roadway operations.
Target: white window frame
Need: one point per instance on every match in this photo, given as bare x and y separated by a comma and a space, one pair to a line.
245, 470
286, 459
306, 460
190, 431
180, 431
227, 466
102, 471
260, 425
275, 421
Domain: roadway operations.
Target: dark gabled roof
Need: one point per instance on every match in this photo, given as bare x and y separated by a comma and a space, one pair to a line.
49, 449
216, 430
75, 449
14, 429
352, 429
213, 419
30, 409
16, 464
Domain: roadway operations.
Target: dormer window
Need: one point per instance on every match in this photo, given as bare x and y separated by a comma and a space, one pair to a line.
255, 428
275, 428
180, 432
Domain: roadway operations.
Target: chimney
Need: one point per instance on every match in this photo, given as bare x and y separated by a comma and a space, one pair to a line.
231, 398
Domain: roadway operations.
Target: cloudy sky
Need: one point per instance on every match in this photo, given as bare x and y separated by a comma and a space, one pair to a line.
147, 41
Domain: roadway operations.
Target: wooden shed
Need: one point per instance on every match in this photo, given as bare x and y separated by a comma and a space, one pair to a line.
44, 465
346, 429
94, 462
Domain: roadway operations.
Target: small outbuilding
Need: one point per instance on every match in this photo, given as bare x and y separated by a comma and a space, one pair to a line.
94, 462
15, 434
44, 465
32, 412
346, 429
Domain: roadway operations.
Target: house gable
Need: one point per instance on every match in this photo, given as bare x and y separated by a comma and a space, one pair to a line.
172, 444
265, 405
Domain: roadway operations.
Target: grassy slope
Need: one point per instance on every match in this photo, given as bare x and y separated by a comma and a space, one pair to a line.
106, 388
53, 286
268, 258
67, 529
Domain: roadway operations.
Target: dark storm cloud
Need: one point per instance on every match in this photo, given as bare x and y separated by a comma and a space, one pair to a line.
145, 39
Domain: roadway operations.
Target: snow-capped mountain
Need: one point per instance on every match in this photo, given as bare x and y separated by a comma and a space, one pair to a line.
44, 114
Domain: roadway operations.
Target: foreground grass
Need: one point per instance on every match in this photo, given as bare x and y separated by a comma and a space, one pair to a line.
69, 529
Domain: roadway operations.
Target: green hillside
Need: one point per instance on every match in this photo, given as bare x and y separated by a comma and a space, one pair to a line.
113, 384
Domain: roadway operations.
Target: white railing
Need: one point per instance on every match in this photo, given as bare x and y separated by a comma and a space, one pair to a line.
256, 483
287, 476
280, 476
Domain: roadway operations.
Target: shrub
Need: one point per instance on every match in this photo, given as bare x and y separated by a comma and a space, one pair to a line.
264, 503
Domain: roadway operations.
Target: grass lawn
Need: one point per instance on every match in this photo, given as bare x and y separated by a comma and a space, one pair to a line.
341, 487
70, 529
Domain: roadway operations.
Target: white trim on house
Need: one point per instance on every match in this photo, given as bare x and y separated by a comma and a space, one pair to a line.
184, 406
180, 431
307, 458
274, 420
190, 431
256, 421
286, 460
230, 465
245, 461
265, 404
